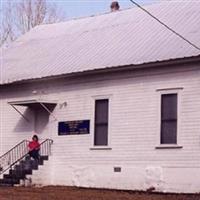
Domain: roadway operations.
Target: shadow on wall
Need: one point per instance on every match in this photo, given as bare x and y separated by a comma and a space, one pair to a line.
41, 120
23, 125
38, 119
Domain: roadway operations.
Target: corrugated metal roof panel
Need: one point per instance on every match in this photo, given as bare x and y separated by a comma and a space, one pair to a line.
115, 39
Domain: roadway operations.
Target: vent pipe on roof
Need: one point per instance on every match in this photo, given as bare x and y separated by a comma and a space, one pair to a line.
114, 6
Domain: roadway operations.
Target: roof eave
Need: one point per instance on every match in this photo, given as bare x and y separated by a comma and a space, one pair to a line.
177, 61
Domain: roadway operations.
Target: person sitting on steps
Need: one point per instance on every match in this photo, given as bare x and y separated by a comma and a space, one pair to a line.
34, 148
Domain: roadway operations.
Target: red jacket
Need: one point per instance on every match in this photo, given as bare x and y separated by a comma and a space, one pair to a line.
34, 145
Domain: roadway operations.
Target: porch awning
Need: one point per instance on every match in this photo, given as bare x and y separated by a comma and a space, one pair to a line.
34, 103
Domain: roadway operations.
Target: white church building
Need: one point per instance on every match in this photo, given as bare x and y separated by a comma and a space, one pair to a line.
117, 93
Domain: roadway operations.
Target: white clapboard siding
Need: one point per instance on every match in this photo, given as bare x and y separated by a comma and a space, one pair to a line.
133, 130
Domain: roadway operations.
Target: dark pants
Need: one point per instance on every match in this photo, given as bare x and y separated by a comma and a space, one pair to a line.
34, 154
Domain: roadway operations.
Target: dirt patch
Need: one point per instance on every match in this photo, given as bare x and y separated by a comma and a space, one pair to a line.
72, 193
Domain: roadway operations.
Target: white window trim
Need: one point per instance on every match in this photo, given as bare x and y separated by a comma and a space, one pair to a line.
169, 146
178, 91
101, 97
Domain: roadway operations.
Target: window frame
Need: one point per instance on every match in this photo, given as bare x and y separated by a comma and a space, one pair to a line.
101, 147
166, 91
170, 120
101, 122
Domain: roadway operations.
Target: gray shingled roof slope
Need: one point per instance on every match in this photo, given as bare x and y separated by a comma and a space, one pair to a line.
110, 40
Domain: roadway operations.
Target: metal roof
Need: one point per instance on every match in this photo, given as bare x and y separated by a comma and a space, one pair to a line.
32, 102
126, 37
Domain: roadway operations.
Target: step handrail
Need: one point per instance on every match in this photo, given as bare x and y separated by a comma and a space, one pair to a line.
45, 149
14, 147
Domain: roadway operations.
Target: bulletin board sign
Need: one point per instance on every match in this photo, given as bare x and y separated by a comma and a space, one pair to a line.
74, 127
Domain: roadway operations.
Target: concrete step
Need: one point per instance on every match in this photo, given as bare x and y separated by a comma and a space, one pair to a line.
29, 164
9, 181
15, 176
19, 171
6, 185
44, 157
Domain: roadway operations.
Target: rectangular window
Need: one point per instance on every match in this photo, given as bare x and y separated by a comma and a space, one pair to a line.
101, 122
169, 119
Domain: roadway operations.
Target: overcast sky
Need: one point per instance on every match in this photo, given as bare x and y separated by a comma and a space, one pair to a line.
81, 8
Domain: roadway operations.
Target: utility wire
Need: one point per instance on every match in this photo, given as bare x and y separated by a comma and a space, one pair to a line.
173, 31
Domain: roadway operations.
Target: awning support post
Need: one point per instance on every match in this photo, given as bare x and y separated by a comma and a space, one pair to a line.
50, 113
20, 113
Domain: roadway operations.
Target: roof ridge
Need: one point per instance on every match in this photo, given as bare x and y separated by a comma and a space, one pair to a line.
102, 14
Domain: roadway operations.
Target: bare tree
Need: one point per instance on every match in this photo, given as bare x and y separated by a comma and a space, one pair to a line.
6, 29
20, 16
